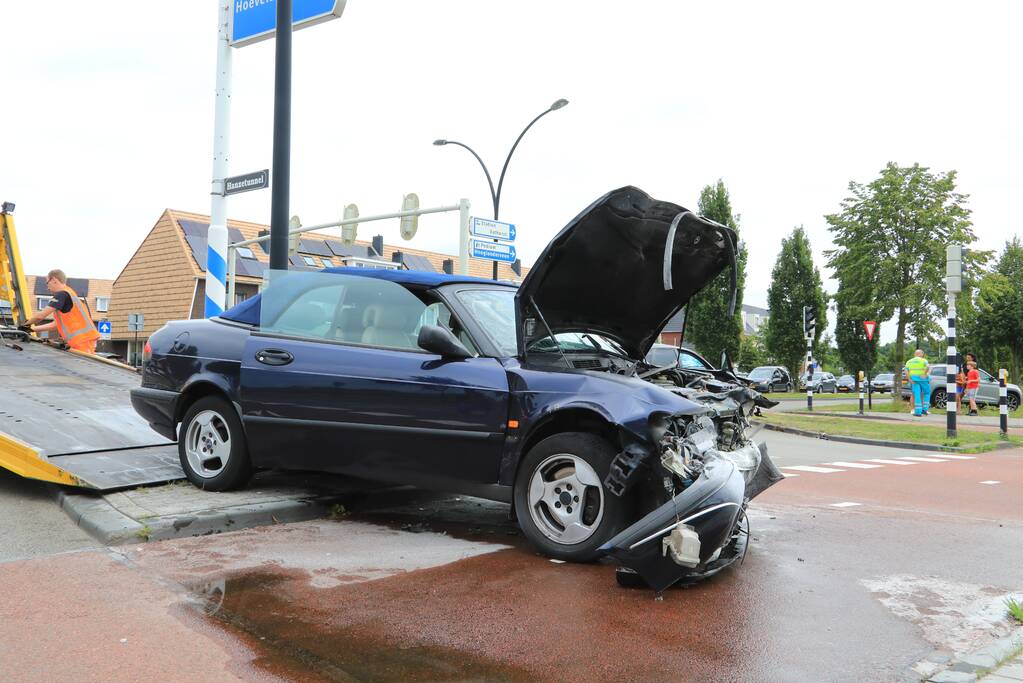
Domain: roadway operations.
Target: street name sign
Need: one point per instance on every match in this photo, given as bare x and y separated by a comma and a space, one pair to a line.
103, 327
869, 326
259, 180
484, 227
492, 251
136, 322
254, 20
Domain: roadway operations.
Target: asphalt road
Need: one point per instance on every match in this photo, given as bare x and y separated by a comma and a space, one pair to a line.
31, 524
865, 563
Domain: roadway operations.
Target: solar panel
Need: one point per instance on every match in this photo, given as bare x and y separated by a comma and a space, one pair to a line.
234, 235
198, 247
314, 246
194, 227
338, 248
417, 262
250, 268
79, 284
40, 288
296, 260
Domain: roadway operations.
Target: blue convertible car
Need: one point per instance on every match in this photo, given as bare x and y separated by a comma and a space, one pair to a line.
536, 395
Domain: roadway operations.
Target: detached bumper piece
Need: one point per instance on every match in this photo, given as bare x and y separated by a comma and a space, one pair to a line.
659, 548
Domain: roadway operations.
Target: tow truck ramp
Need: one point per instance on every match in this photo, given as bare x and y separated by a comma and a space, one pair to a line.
67, 418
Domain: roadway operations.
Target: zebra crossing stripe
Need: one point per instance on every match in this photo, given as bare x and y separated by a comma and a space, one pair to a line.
854, 465
811, 468
916, 459
890, 462
957, 457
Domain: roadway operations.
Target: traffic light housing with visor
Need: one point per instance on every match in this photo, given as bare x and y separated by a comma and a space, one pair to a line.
809, 320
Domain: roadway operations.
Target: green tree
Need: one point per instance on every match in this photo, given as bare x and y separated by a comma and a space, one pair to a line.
1000, 304
827, 354
890, 238
795, 283
709, 328
753, 353
857, 353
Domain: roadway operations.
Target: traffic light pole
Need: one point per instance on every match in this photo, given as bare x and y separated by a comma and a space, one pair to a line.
809, 371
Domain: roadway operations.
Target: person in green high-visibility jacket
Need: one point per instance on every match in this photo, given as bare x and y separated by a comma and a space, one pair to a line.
918, 370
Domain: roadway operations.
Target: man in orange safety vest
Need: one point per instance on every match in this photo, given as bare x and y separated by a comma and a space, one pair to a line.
71, 315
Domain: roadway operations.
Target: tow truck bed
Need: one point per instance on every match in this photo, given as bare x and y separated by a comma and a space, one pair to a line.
67, 418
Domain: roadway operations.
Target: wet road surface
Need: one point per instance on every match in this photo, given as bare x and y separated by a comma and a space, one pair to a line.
854, 574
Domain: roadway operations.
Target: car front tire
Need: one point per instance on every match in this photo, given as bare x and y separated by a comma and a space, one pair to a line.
560, 500
212, 447
938, 399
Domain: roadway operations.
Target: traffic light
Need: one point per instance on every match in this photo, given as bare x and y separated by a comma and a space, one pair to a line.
809, 320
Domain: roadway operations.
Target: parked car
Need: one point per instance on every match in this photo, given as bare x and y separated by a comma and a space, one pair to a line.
538, 395
768, 378
882, 383
987, 393
821, 382
665, 355
845, 383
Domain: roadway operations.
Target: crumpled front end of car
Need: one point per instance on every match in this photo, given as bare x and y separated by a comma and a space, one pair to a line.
703, 470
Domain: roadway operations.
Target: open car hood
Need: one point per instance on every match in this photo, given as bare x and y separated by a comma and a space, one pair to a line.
605, 271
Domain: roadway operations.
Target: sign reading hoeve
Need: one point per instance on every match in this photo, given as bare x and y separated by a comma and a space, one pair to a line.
254, 20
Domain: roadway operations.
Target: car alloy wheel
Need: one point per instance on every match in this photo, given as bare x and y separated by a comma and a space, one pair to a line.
939, 399
1012, 402
566, 499
212, 447
208, 444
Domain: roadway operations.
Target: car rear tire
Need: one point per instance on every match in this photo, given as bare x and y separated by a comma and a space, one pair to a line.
1012, 402
212, 447
938, 399
560, 500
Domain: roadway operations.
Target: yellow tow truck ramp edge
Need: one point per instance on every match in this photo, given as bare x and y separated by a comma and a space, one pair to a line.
20, 458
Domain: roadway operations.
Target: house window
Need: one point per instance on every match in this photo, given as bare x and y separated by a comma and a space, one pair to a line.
240, 297
327, 263
309, 261
102, 304
42, 302
245, 252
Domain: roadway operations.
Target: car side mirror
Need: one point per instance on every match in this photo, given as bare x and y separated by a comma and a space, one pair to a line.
440, 340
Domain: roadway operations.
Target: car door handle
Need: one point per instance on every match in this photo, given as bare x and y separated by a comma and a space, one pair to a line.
274, 357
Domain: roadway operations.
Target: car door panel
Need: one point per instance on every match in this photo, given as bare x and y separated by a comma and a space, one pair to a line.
379, 413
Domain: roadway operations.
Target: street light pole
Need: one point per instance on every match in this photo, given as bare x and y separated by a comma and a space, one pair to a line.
495, 196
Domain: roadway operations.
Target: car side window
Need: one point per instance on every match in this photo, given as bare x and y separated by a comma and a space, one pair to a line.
687, 360
343, 308
311, 313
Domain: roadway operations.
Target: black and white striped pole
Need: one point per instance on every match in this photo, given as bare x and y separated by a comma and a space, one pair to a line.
1003, 405
809, 324
953, 285
860, 383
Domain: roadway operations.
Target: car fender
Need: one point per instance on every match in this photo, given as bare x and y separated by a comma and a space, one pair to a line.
205, 384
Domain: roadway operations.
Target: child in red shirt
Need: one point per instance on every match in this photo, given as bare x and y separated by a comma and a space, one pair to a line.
972, 385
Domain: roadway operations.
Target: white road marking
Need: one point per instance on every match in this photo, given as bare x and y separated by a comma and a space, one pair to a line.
810, 468
845, 505
916, 459
786, 475
990, 482
957, 457
891, 462
854, 465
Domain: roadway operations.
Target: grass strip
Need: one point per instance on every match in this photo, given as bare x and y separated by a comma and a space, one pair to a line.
887, 431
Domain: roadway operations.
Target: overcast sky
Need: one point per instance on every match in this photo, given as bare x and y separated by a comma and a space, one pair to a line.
108, 115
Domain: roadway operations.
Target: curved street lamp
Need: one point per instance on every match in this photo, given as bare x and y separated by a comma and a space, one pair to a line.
495, 195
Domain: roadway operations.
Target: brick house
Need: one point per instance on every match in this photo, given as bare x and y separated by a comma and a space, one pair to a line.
166, 277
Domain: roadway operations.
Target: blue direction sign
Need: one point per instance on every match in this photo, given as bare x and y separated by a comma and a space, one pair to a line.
103, 327
492, 251
484, 227
255, 20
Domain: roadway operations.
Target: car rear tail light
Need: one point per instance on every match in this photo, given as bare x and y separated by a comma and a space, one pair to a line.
147, 352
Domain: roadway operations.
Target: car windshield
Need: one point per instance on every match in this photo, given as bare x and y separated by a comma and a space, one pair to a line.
494, 311
846, 378
692, 362
818, 375
761, 373
888, 377
576, 342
